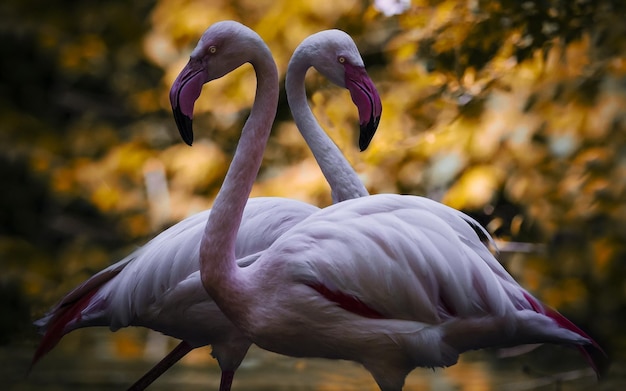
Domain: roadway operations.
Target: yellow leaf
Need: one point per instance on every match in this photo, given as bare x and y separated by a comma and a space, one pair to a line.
474, 189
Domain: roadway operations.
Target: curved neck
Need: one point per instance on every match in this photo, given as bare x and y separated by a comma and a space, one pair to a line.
343, 180
218, 268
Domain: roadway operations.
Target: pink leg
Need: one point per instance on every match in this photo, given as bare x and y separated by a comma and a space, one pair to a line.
172, 358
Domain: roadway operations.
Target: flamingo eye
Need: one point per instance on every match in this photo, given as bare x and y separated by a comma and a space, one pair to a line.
212, 49
341, 59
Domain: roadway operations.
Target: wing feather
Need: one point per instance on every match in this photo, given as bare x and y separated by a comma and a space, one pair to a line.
406, 257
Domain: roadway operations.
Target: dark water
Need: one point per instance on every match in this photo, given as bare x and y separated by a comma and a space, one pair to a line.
99, 360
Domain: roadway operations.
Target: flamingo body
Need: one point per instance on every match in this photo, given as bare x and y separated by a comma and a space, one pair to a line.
159, 287
392, 282
405, 258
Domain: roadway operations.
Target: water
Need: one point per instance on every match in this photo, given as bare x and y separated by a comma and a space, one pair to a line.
98, 360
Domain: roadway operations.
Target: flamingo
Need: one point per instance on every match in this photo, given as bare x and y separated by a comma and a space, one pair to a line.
158, 286
393, 282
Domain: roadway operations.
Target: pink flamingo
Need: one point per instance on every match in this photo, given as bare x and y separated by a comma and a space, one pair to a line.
391, 282
158, 286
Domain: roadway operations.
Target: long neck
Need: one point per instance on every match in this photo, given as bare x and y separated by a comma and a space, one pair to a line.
218, 268
343, 180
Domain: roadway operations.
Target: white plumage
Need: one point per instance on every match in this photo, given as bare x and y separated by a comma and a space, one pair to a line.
158, 286
392, 282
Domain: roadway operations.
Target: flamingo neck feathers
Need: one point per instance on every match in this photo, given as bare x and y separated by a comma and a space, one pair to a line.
343, 180
218, 269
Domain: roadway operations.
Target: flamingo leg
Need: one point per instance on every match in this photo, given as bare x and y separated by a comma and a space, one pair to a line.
166, 363
227, 380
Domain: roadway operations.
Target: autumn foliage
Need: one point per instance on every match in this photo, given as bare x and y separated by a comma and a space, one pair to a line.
513, 111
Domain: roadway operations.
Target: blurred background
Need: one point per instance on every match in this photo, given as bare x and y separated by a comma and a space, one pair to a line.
512, 111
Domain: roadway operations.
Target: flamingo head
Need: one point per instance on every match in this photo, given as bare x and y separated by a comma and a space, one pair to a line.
222, 48
334, 54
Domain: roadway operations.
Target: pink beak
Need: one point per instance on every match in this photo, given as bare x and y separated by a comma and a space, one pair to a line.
183, 95
366, 98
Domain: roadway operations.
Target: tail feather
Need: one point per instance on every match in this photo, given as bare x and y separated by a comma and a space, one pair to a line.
54, 325
597, 359
592, 352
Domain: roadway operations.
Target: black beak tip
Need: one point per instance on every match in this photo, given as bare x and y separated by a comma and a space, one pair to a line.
184, 125
368, 130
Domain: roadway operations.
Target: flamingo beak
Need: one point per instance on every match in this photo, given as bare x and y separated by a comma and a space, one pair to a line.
366, 98
183, 95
